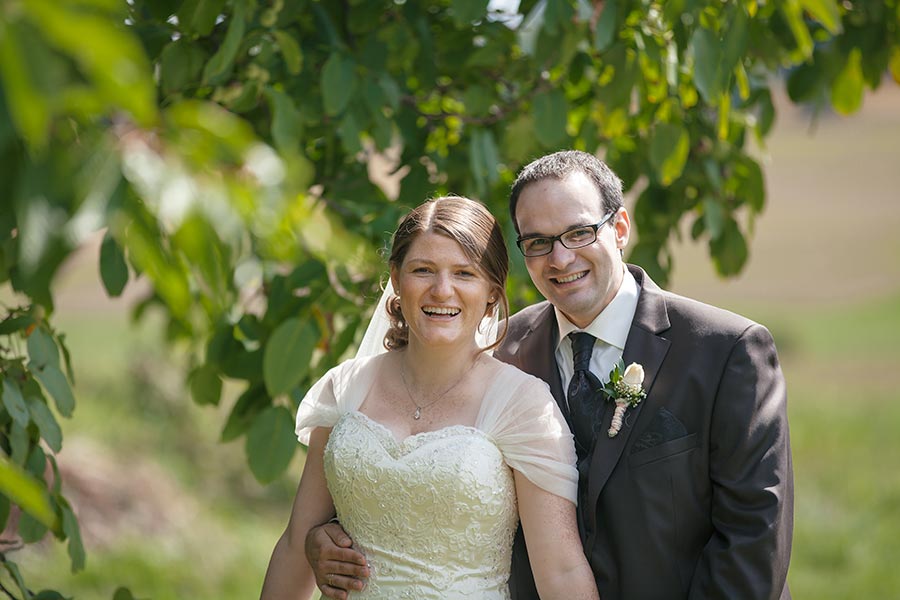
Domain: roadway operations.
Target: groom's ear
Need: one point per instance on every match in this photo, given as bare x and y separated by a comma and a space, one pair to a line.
622, 228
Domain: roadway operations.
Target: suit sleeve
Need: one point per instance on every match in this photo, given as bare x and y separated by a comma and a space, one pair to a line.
752, 478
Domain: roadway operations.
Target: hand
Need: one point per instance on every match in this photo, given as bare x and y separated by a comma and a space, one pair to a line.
337, 565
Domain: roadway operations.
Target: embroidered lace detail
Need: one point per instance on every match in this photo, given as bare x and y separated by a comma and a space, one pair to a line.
435, 513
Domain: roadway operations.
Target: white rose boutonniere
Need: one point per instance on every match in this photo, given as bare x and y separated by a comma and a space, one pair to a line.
626, 389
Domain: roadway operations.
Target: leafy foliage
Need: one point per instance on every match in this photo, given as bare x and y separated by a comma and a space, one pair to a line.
229, 149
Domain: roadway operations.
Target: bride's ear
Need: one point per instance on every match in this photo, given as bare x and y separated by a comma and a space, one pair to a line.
394, 280
491, 304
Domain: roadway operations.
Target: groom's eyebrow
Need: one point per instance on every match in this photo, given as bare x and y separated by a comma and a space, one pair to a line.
567, 228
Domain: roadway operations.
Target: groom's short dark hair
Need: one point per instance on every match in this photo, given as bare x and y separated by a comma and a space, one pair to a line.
559, 165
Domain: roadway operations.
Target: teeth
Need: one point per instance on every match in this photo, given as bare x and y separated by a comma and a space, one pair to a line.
570, 278
440, 310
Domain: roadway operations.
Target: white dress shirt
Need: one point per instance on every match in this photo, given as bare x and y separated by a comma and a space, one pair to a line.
610, 328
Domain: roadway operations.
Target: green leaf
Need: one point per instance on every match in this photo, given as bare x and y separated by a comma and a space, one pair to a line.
113, 268
288, 354
557, 13
415, 185
287, 126
290, 51
825, 12
57, 386
847, 88
206, 385
123, 593
13, 570
391, 90
180, 64
30, 529
46, 423
73, 533
221, 62
478, 100
199, 16
382, 131
271, 443
5, 507
752, 184
50, 595
19, 443
27, 492
669, 150
349, 132
606, 27
28, 107
793, 13
42, 349
713, 217
467, 11
729, 251
805, 82
338, 83
14, 402
483, 158
550, 112
340, 344
13, 324
248, 405
518, 139
715, 56
108, 56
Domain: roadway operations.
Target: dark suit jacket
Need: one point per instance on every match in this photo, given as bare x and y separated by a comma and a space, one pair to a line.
694, 497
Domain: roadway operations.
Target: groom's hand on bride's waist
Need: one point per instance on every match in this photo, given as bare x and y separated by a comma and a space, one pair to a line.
338, 566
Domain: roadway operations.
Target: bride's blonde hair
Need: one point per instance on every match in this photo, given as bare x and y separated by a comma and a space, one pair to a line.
475, 229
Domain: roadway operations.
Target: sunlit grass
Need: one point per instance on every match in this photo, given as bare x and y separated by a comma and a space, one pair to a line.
844, 420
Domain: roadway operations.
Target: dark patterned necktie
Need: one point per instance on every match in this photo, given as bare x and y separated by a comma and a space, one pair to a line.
584, 393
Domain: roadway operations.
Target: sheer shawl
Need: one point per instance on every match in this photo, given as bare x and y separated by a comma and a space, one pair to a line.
517, 412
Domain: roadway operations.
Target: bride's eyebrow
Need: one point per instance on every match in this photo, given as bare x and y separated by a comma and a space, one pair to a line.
431, 263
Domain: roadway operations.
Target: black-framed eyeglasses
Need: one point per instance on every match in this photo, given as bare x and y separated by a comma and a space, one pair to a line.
577, 237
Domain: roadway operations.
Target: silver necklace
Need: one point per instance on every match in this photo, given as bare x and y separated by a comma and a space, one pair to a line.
419, 407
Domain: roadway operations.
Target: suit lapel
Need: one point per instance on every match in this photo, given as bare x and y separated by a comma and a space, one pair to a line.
646, 347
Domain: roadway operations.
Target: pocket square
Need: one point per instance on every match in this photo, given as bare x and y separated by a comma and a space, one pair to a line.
663, 428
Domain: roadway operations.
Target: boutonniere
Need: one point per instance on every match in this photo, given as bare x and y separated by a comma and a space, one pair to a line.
626, 389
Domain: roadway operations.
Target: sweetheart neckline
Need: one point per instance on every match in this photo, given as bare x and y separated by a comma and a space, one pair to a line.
383, 429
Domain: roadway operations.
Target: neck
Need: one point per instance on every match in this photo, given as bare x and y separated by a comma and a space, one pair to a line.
437, 367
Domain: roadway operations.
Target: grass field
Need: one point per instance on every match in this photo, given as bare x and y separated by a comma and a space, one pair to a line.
173, 514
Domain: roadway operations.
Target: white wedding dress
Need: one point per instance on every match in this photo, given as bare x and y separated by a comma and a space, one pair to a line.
435, 513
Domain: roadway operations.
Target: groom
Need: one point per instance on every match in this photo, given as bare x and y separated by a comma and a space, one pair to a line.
693, 496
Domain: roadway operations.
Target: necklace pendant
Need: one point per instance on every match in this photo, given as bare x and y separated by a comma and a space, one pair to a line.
418, 413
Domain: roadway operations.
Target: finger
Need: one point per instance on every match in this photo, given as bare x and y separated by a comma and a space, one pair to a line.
337, 535
344, 555
341, 583
346, 569
332, 593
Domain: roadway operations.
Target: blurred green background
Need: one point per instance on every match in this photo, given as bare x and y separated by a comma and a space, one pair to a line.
168, 511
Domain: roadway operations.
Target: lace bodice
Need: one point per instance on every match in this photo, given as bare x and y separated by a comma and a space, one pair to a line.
435, 513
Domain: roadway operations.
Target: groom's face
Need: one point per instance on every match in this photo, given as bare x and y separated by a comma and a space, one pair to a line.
581, 281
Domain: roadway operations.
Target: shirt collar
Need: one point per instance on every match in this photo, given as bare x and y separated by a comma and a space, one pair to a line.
614, 322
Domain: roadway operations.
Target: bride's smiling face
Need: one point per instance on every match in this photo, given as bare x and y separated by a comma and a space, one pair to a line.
443, 295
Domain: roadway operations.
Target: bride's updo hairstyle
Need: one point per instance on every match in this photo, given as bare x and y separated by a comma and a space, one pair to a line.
469, 224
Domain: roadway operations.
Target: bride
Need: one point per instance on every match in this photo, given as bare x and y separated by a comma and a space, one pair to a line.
430, 453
